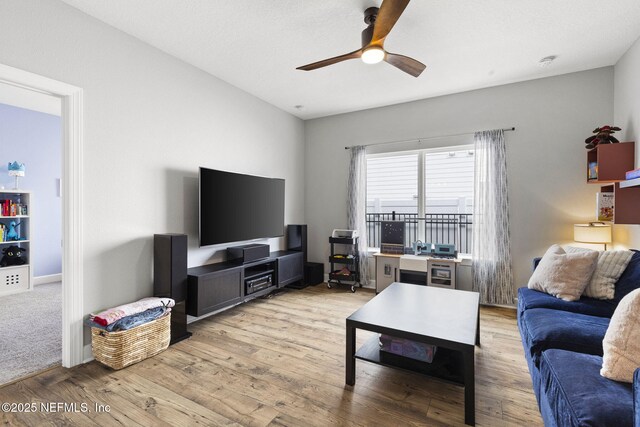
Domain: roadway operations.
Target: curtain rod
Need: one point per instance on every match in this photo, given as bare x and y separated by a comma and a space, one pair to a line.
424, 139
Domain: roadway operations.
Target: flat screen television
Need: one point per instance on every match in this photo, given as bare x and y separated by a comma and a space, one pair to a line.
236, 207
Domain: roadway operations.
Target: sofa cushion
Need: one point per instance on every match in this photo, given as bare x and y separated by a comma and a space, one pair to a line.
630, 279
543, 328
533, 370
528, 299
579, 396
611, 265
564, 275
622, 341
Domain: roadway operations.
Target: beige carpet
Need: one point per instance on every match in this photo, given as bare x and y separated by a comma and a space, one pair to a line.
30, 331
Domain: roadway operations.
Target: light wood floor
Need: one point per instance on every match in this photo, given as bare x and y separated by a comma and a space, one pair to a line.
277, 362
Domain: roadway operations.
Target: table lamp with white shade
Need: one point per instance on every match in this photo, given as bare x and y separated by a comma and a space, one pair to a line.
593, 232
16, 169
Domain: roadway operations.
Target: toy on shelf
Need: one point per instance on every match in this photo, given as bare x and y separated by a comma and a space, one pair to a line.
12, 256
603, 135
12, 233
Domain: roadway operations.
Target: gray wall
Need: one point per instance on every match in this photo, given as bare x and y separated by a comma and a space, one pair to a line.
627, 116
546, 155
150, 122
35, 139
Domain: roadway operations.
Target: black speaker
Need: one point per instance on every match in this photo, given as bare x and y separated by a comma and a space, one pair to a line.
297, 238
247, 253
170, 278
314, 272
297, 241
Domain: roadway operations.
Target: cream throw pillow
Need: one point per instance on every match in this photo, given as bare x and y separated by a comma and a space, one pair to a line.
621, 343
611, 265
564, 275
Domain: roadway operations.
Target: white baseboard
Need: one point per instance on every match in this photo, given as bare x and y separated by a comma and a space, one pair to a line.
51, 278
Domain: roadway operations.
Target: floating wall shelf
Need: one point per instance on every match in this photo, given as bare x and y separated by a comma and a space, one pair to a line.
612, 160
626, 205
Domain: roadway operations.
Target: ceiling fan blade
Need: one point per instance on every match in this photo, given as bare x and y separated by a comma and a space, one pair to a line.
406, 64
353, 55
388, 15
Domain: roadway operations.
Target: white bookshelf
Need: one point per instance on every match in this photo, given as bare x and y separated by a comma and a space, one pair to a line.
17, 278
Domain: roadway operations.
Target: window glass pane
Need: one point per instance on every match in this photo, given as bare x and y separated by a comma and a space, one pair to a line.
449, 182
392, 184
448, 187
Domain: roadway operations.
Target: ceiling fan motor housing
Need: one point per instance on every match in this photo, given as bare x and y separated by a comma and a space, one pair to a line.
370, 16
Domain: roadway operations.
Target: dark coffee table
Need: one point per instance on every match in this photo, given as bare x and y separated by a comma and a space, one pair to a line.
447, 318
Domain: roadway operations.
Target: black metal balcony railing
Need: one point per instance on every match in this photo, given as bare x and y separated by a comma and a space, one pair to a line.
452, 229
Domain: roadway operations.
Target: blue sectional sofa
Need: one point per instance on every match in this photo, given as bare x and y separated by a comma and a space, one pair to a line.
563, 346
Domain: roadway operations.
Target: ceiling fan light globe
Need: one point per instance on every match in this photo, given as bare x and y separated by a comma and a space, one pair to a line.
373, 55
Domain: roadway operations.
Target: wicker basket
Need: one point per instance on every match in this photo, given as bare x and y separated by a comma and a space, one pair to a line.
123, 348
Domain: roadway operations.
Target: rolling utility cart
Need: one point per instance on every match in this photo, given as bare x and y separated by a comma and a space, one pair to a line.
345, 265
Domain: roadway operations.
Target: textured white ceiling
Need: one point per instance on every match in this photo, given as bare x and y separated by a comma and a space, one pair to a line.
466, 44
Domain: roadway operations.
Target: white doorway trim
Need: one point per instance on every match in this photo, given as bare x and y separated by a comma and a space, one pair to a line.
72, 218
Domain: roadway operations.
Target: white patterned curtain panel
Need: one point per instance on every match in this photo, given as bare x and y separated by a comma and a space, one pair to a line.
491, 255
357, 206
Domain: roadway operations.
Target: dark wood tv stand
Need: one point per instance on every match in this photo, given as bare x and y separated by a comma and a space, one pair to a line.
213, 287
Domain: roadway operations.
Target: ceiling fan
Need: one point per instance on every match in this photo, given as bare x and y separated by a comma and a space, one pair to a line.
380, 22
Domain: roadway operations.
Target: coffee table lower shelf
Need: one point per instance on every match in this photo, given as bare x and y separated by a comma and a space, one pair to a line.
447, 365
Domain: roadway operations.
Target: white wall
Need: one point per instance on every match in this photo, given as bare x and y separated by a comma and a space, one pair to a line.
150, 122
546, 155
627, 116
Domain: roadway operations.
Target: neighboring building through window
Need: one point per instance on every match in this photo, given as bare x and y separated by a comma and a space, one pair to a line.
392, 183
431, 190
448, 180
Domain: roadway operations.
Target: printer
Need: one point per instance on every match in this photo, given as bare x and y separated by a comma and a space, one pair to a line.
344, 234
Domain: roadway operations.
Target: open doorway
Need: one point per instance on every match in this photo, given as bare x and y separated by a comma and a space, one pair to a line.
71, 98
30, 232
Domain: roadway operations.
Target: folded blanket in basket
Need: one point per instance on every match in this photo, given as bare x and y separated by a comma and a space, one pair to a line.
132, 321
111, 315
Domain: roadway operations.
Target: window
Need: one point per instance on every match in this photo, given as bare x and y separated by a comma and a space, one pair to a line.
431, 190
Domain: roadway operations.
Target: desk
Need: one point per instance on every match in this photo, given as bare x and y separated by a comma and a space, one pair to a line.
410, 269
